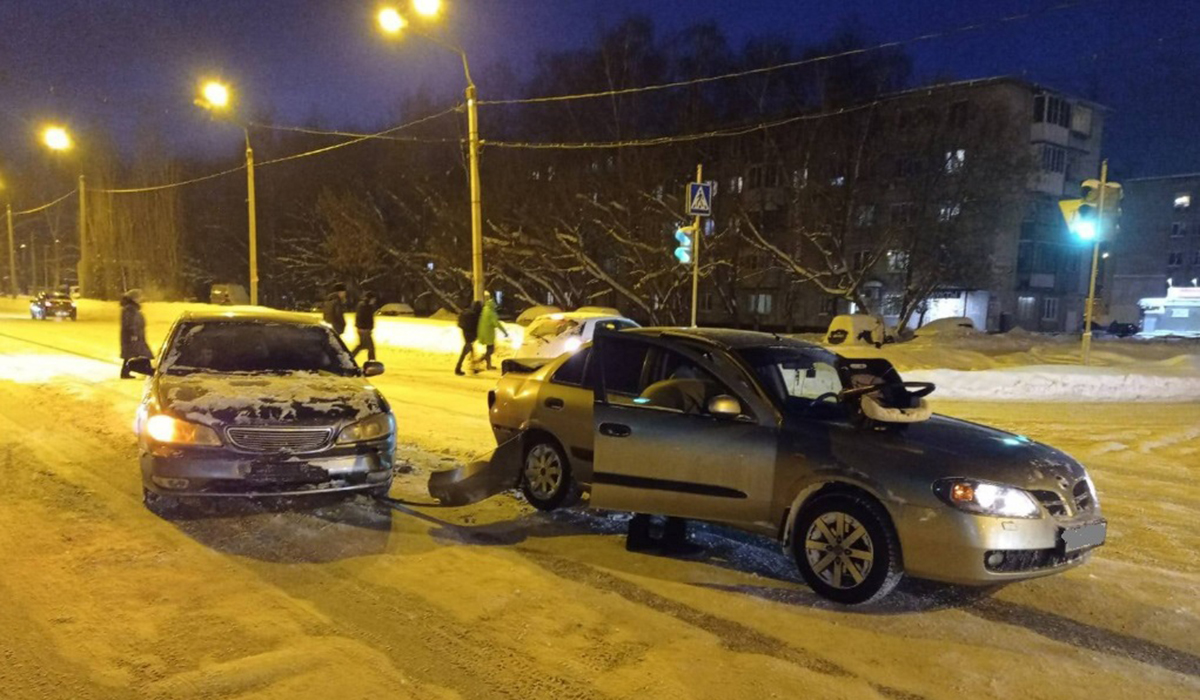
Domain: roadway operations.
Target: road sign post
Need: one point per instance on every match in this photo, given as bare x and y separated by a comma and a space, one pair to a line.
699, 205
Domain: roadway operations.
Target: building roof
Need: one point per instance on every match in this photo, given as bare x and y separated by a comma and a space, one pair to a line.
993, 80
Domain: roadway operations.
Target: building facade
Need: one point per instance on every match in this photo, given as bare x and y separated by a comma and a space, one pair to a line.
1158, 246
1038, 273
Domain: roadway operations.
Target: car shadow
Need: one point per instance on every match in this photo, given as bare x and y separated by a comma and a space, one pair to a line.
314, 529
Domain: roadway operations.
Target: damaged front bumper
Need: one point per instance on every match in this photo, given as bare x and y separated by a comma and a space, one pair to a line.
217, 472
481, 479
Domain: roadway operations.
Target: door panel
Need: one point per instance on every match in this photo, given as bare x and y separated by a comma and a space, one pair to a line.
669, 463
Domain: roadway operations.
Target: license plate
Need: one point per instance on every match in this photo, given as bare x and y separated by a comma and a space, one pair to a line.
286, 473
1084, 537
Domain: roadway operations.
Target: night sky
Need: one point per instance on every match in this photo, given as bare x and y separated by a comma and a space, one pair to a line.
124, 64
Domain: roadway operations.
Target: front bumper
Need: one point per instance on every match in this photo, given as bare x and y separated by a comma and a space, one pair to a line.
217, 472
942, 544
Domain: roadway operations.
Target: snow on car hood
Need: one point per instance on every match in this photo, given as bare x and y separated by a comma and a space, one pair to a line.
299, 397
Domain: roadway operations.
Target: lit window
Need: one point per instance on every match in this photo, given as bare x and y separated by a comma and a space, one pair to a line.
955, 160
1183, 202
948, 212
897, 260
1049, 308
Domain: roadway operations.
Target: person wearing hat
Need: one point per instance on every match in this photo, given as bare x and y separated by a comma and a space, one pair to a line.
133, 331
335, 308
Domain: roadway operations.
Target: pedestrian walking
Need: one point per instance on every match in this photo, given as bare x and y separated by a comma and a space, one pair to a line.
468, 322
489, 323
335, 308
133, 331
364, 324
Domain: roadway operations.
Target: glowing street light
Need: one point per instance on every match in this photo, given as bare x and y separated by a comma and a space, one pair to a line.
391, 21
427, 8
215, 96
56, 138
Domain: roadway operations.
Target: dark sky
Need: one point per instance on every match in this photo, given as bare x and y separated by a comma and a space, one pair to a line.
123, 63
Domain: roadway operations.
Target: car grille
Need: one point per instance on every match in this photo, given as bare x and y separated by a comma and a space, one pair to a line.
1051, 501
1080, 500
279, 439
1083, 496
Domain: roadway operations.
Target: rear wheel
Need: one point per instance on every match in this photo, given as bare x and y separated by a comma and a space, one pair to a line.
546, 479
846, 549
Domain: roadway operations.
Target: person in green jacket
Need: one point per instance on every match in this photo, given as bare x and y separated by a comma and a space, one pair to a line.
489, 322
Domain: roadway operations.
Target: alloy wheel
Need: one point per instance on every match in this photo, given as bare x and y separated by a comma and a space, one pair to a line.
543, 471
839, 550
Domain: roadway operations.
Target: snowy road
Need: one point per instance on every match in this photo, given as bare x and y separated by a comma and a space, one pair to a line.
99, 598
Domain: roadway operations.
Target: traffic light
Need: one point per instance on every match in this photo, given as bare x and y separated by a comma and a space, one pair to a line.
684, 235
1083, 215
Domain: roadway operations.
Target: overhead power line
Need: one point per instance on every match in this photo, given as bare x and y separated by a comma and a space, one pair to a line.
963, 29
169, 185
47, 205
356, 138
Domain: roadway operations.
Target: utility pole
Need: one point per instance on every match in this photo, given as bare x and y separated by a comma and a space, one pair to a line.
476, 198
1091, 299
83, 271
253, 220
12, 253
696, 251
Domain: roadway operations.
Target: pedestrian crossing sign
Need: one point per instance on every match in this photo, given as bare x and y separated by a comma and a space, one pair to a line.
699, 199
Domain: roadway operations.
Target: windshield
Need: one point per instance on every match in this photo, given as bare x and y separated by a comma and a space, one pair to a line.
229, 346
794, 377
552, 327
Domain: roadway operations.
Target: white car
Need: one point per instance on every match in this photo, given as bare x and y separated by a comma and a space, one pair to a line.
554, 334
396, 309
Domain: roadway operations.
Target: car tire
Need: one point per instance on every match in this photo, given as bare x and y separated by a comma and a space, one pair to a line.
869, 566
158, 504
547, 480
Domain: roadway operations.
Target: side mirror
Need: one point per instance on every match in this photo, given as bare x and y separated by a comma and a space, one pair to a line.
724, 406
372, 368
141, 365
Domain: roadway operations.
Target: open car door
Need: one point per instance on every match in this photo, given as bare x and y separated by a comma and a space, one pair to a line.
673, 438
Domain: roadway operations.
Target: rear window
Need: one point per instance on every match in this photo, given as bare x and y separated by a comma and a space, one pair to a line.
574, 370
257, 347
615, 324
551, 327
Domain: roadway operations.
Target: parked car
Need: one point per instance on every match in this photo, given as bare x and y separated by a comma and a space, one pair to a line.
838, 458
951, 326
856, 329
396, 309
555, 334
47, 305
262, 403
531, 314
228, 295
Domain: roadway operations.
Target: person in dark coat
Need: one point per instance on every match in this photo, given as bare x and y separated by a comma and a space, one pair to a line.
335, 308
364, 324
468, 322
133, 331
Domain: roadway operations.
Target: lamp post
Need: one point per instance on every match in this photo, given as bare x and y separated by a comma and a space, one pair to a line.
392, 22
58, 139
215, 97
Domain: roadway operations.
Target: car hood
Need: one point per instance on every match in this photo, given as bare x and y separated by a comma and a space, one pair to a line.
946, 447
301, 397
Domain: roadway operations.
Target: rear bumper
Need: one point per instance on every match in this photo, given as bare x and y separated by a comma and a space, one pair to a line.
220, 473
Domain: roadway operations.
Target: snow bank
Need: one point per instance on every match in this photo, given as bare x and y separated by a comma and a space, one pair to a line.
1060, 383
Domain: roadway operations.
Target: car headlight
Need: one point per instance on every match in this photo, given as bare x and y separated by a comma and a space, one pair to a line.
376, 427
986, 498
172, 431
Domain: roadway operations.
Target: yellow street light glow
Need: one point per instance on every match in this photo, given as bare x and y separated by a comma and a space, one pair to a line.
56, 138
391, 21
215, 94
427, 8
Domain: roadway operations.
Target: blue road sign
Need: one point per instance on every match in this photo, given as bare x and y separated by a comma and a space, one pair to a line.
699, 199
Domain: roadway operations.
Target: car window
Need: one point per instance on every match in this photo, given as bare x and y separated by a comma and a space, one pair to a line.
257, 347
794, 373
622, 362
613, 324
574, 371
674, 382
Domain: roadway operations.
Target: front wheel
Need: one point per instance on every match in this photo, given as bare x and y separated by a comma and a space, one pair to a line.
846, 549
547, 480
162, 506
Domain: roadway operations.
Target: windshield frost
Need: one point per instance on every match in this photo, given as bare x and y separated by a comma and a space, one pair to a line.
258, 347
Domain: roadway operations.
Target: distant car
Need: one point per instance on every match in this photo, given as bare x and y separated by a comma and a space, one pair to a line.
531, 314
839, 458
47, 305
396, 309
228, 295
260, 404
949, 326
555, 334
1122, 330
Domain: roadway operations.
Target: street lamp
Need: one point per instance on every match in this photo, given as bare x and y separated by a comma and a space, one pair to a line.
392, 22
216, 97
58, 139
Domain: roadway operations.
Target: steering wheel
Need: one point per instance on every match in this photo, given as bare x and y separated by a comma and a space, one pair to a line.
917, 389
827, 395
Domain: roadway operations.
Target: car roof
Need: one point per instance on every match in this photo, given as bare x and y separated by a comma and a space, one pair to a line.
577, 316
250, 314
728, 338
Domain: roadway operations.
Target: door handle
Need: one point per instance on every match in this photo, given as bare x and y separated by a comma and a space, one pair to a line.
554, 404
615, 430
